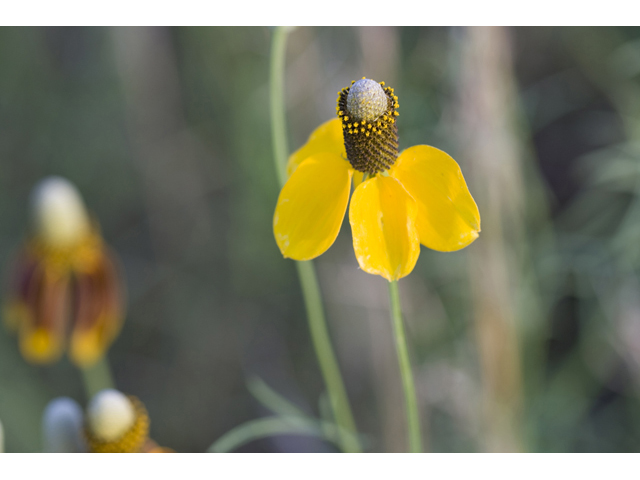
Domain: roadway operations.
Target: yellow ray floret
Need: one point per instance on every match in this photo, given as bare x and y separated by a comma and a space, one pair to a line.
383, 223
448, 217
311, 206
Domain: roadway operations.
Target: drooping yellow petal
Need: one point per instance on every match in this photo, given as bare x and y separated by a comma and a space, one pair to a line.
311, 206
40, 346
448, 217
99, 310
326, 138
42, 331
383, 223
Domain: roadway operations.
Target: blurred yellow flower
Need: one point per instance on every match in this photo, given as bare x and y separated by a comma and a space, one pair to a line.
113, 423
65, 287
399, 201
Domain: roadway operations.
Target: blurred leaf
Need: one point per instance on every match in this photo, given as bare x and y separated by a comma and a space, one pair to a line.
272, 400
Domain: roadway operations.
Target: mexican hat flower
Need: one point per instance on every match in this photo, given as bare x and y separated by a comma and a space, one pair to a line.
399, 201
65, 290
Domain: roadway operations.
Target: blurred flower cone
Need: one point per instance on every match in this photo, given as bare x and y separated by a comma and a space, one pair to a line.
118, 423
65, 289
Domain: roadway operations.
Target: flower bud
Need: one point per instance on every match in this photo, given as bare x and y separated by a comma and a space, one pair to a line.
62, 427
59, 215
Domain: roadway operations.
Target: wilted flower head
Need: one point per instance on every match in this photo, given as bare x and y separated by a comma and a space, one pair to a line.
65, 288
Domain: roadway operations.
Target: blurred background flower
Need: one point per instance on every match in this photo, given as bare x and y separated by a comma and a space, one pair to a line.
165, 133
65, 282
113, 423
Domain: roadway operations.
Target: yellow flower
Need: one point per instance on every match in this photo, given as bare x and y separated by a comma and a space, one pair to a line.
65, 287
416, 197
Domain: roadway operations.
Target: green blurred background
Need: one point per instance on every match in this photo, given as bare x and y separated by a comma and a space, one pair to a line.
529, 339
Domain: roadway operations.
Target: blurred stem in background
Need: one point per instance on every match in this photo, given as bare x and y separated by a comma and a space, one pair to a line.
306, 270
506, 304
411, 403
97, 377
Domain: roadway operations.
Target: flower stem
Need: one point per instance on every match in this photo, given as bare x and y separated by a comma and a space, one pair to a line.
411, 403
97, 377
276, 91
326, 357
306, 271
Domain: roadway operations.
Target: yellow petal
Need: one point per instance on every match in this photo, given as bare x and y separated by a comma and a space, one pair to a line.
383, 223
448, 217
326, 138
99, 310
40, 346
311, 206
42, 331
357, 178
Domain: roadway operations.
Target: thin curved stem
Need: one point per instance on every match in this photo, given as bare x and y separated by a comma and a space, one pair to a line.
306, 271
410, 400
326, 357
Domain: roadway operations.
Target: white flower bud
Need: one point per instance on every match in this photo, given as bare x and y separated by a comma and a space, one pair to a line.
366, 100
59, 214
62, 427
110, 415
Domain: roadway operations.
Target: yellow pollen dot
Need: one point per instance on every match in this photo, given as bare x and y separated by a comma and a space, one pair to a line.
355, 124
369, 126
367, 134
352, 82
397, 106
375, 129
396, 114
340, 112
346, 118
350, 131
364, 78
362, 130
349, 125
382, 84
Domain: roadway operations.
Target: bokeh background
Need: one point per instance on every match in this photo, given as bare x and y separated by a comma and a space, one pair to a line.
527, 340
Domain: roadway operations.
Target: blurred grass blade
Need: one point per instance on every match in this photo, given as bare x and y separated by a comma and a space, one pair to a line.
272, 400
262, 428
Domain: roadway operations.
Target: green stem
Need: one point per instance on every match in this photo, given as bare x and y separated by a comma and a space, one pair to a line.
97, 377
278, 113
326, 357
410, 400
306, 271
